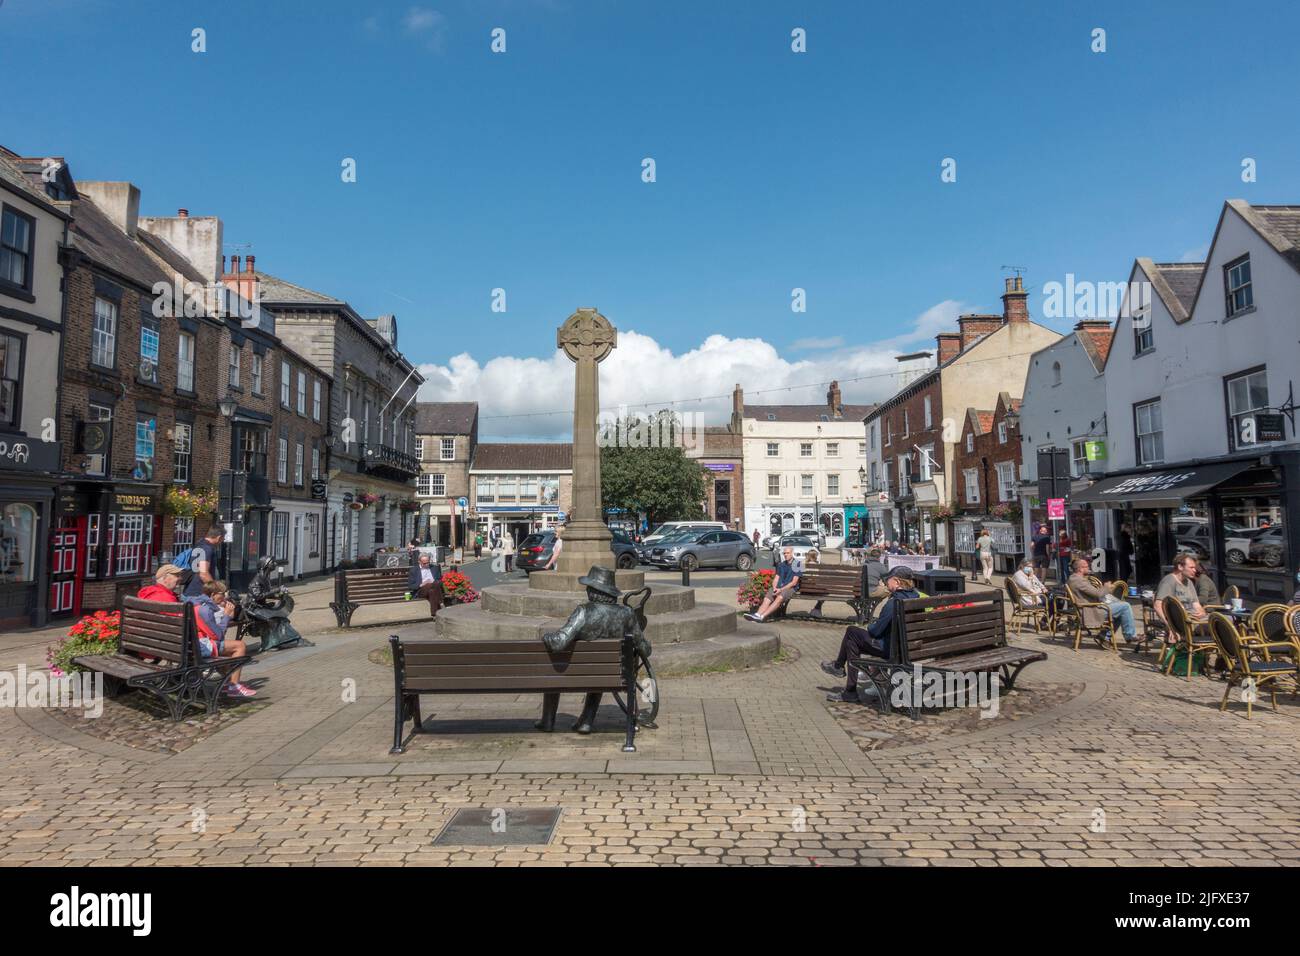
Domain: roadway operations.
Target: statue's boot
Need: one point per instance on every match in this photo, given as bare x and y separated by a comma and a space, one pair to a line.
588, 716
550, 704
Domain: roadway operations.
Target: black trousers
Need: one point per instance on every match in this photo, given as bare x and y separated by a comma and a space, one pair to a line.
857, 642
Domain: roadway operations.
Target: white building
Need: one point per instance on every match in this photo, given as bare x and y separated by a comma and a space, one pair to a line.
1200, 392
1064, 406
801, 464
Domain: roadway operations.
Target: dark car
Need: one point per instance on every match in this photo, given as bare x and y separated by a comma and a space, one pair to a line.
1268, 547
536, 549
708, 549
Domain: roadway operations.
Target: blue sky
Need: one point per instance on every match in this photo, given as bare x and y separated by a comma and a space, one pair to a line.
775, 170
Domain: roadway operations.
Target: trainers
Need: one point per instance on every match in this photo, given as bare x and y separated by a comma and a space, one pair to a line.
843, 697
239, 690
830, 667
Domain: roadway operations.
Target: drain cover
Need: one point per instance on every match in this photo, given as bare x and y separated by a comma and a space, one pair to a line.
499, 826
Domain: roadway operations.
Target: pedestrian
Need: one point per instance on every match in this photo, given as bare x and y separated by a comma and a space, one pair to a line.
425, 581
413, 552
984, 546
555, 551
203, 560
478, 544
1040, 543
754, 536
508, 545
1063, 550
1125, 552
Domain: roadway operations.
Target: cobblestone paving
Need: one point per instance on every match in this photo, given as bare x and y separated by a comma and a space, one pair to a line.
746, 767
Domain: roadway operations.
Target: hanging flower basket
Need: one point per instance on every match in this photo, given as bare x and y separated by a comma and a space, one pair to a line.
190, 503
408, 505
941, 513
366, 499
1005, 512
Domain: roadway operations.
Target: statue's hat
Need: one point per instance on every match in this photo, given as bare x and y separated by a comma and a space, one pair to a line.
602, 580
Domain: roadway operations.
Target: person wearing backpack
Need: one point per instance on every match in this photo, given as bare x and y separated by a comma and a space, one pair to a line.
202, 563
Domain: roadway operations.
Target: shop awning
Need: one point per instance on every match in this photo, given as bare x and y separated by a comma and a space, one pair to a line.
1158, 489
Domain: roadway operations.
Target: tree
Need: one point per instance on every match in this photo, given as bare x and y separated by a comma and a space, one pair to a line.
644, 468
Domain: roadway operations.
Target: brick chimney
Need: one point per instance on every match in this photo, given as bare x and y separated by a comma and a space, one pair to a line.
1015, 301
245, 282
949, 346
833, 399
737, 409
975, 327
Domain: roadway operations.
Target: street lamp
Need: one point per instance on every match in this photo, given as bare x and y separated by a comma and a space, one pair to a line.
227, 407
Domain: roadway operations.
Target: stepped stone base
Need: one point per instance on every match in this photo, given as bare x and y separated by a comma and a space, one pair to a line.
473, 622
519, 598
568, 581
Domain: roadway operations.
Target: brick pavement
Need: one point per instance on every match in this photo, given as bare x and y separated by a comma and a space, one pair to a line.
747, 767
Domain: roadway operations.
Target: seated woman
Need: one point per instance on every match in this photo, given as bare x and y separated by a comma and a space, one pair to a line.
213, 611
1033, 592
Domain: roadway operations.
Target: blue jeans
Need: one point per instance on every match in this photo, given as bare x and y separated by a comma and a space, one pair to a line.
1121, 615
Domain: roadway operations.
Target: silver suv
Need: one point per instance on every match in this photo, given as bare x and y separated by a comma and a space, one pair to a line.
711, 549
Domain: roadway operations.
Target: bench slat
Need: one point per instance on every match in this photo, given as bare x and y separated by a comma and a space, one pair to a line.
987, 660
115, 665
460, 660
501, 685
493, 647
509, 671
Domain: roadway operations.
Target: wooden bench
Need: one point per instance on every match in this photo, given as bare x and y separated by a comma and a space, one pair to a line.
821, 582
367, 586
955, 634
176, 672
509, 667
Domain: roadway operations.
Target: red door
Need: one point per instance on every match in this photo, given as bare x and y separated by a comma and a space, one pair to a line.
67, 554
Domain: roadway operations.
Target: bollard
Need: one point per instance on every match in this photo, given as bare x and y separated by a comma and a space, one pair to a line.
686, 577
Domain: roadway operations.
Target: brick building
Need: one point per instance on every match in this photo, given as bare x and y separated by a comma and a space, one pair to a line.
986, 466
446, 437
721, 454
138, 399
912, 436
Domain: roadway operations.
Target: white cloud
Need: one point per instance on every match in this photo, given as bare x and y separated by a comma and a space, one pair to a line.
833, 342
426, 23
644, 375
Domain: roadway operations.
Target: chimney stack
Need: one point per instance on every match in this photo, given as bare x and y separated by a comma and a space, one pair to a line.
737, 409
234, 264
975, 327
182, 214
197, 238
1015, 301
949, 346
120, 202
248, 264
833, 399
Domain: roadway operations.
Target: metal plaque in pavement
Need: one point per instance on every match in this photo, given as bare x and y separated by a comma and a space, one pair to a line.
500, 826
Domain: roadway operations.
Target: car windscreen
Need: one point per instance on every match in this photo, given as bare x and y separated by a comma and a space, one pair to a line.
797, 542
662, 530
533, 540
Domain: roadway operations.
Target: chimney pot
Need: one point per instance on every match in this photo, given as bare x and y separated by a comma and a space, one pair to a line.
234, 263
223, 265
248, 264
183, 213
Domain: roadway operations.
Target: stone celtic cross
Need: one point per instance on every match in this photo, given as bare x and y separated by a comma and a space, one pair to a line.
586, 337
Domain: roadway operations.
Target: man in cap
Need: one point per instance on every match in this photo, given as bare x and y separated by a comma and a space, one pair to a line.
601, 618
872, 640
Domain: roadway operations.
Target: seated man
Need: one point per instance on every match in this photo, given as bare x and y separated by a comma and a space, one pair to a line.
165, 582
1033, 592
425, 581
873, 640
1180, 584
784, 585
213, 612
1115, 613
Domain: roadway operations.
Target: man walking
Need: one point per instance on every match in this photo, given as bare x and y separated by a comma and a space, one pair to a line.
203, 561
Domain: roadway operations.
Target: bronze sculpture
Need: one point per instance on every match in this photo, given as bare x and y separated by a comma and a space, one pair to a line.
602, 617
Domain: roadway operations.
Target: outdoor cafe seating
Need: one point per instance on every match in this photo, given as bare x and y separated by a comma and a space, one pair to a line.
1252, 660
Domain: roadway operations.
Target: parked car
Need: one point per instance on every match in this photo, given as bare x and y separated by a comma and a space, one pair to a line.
705, 549
536, 549
668, 527
774, 541
800, 544
1268, 547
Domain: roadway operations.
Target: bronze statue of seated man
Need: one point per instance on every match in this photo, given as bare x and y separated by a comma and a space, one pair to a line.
601, 618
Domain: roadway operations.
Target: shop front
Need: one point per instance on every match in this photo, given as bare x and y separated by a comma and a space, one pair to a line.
104, 544
857, 526
1237, 517
27, 503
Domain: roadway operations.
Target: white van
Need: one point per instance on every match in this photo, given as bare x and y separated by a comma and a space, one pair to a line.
668, 527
